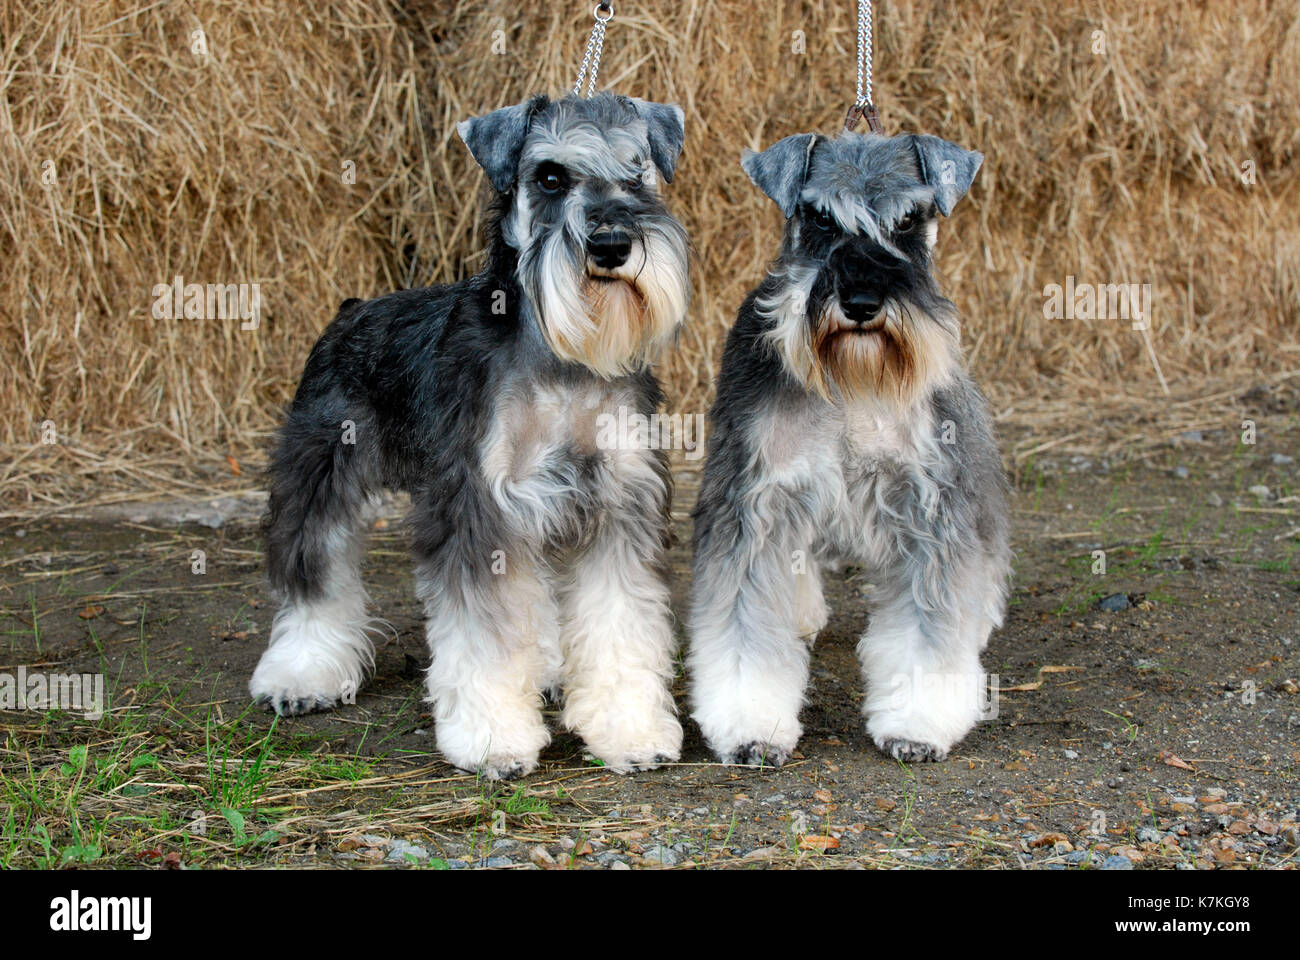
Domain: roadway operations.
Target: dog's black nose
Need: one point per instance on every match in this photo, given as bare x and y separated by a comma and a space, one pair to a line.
860, 305
609, 248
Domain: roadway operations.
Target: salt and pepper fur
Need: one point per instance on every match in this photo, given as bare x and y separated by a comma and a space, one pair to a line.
831, 443
540, 556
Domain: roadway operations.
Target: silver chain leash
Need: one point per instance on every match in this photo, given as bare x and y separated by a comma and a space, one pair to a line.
595, 44
864, 107
864, 52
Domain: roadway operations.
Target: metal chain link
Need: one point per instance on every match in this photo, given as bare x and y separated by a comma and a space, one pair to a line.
595, 45
864, 108
864, 53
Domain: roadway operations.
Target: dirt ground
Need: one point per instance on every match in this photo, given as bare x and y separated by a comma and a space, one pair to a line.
1162, 734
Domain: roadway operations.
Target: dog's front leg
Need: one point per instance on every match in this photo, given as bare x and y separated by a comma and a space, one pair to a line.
920, 655
750, 617
617, 628
490, 627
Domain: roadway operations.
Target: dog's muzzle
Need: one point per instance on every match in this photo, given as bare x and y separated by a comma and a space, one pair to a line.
609, 247
861, 307
865, 277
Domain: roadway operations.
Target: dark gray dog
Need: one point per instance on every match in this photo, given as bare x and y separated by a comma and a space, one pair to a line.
539, 549
846, 429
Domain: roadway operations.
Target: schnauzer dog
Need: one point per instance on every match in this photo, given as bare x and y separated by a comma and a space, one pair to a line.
847, 430
540, 553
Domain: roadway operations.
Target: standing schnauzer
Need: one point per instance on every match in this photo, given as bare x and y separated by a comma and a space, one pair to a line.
846, 429
540, 556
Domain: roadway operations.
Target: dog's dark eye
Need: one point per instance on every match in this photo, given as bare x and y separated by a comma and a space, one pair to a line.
905, 225
551, 178
824, 220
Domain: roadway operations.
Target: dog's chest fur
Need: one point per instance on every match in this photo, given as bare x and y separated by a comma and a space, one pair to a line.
858, 465
548, 450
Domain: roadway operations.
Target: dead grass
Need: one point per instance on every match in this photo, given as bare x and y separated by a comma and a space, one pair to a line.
229, 168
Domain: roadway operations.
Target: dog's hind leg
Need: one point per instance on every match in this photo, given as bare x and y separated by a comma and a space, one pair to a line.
318, 652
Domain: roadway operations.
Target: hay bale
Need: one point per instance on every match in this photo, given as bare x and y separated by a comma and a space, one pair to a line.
134, 154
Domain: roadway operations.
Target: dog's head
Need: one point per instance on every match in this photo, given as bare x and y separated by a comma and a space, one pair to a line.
602, 262
856, 308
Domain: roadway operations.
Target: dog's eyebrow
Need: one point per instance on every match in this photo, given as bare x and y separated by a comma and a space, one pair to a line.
874, 218
851, 212
589, 151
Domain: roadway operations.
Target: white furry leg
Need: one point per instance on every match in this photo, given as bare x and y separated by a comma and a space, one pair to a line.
925, 686
748, 665
490, 652
318, 653
618, 657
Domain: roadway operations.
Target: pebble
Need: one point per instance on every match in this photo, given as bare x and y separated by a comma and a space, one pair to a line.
1261, 491
1114, 603
1181, 472
399, 850
1281, 459
1071, 755
1148, 835
930, 859
619, 865
1215, 500
666, 856
1116, 862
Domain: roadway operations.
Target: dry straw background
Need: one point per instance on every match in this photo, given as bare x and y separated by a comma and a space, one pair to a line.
227, 168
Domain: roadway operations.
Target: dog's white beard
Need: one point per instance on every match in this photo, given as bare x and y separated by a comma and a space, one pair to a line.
616, 324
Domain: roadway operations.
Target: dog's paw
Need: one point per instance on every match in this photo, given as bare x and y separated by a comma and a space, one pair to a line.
923, 723
291, 692
625, 749
503, 745
758, 754
638, 763
910, 751
287, 704
503, 768
494, 765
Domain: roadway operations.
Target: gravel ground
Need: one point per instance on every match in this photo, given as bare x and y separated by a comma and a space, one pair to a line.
1147, 716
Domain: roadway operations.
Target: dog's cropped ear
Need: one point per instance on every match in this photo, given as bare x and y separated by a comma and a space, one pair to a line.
946, 167
497, 138
780, 170
666, 131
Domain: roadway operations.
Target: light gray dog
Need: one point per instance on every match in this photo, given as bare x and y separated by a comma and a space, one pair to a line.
846, 429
